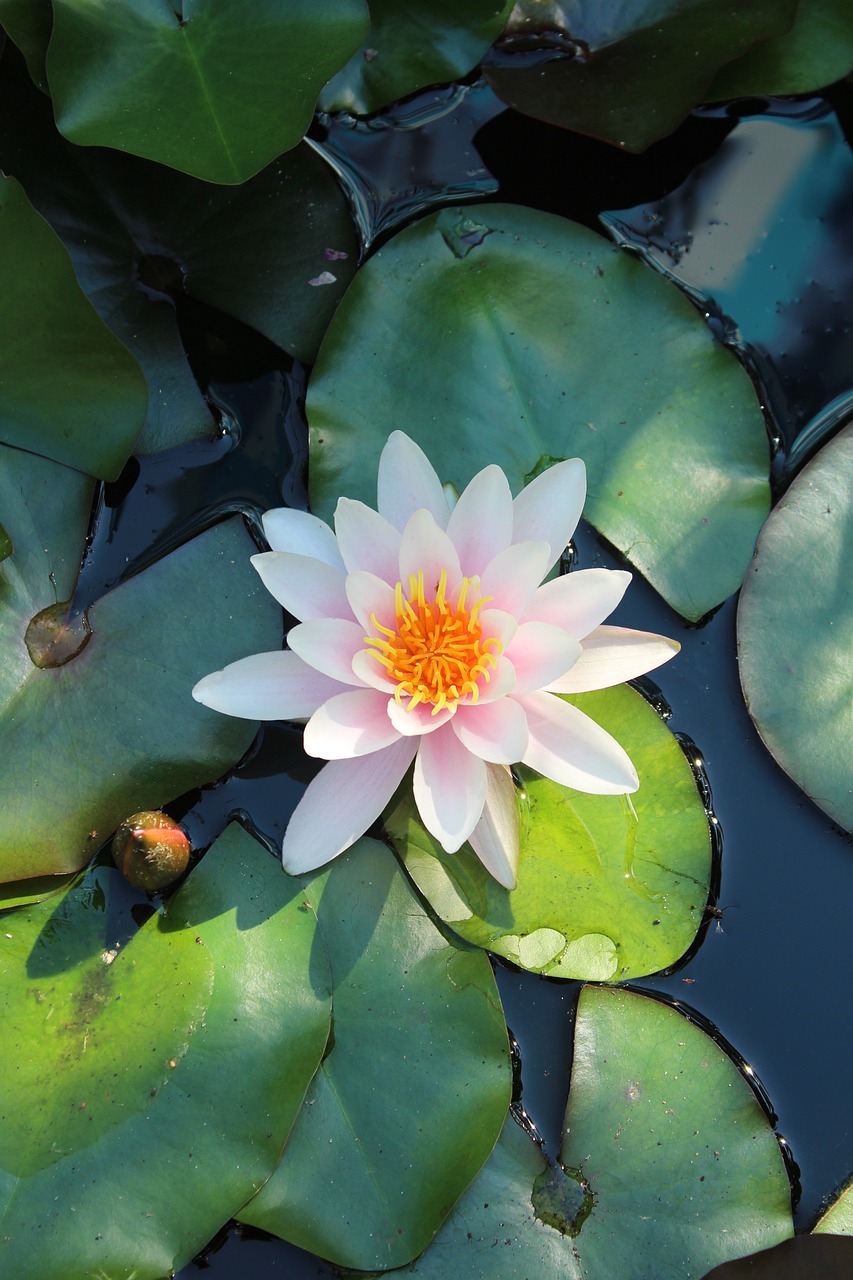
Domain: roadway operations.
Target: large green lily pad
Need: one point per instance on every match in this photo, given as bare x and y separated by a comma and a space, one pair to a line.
409, 1101
670, 1164
497, 334
114, 729
795, 630
213, 88
607, 888
88, 412
640, 68
167, 1073
817, 51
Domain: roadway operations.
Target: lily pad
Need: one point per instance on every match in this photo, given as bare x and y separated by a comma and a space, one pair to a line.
90, 409
637, 70
112, 729
817, 51
28, 24
410, 1099
22, 893
654, 1104
607, 888
795, 630
411, 44
838, 1218
163, 1086
212, 88
524, 339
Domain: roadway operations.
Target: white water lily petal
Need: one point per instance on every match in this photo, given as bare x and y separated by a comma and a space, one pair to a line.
498, 625
329, 645
367, 542
407, 482
494, 731
480, 524
368, 595
612, 655
568, 747
266, 686
302, 534
550, 507
449, 788
540, 653
495, 837
513, 575
307, 588
578, 601
352, 724
370, 671
419, 720
345, 798
426, 549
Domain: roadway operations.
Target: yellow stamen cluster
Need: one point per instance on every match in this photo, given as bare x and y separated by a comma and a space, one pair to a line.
436, 651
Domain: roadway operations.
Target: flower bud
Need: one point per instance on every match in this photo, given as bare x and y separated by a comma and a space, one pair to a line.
150, 850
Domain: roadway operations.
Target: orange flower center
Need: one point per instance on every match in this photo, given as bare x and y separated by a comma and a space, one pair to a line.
436, 651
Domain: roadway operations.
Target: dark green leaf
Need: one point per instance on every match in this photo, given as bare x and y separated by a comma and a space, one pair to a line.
803, 1258
817, 51
28, 24
6, 547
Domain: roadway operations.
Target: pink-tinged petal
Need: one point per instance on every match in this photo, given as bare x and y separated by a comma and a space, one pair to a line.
367, 668
351, 724
498, 625
613, 654
568, 747
514, 574
408, 482
496, 836
578, 601
368, 595
419, 720
345, 798
303, 535
266, 686
425, 548
329, 645
367, 542
449, 787
539, 654
480, 524
494, 731
306, 587
501, 682
550, 507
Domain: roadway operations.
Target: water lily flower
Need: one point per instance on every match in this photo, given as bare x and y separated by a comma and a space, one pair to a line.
427, 634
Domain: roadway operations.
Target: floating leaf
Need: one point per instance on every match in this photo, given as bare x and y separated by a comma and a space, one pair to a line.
28, 23
22, 893
803, 1258
407, 1105
838, 1218
795, 631
168, 1071
213, 88
525, 339
637, 70
607, 888
90, 409
411, 44
817, 51
655, 1109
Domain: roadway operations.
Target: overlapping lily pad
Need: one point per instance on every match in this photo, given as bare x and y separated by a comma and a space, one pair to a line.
113, 728
607, 888
653, 1104
497, 334
28, 23
411, 1096
168, 1072
817, 51
838, 1218
795, 630
212, 88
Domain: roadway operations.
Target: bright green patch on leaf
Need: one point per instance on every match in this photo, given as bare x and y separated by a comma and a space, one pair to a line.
411, 44
407, 1105
655, 1109
838, 1218
527, 336
28, 24
168, 1072
795, 631
88, 412
607, 888
218, 92
817, 51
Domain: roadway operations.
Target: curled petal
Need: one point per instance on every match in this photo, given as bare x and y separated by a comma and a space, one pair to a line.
351, 724
578, 601
539, 653
367, 542
495, 838
613, 654
408, 482
303, 535
480, 524
307, 588
449, 787
368, 595
425, 548
328, 645
494, 731
345, 798
550, 506
266, 686
511, 578
568, 747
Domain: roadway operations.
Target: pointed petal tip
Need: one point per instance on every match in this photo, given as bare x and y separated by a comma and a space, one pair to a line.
201, 691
